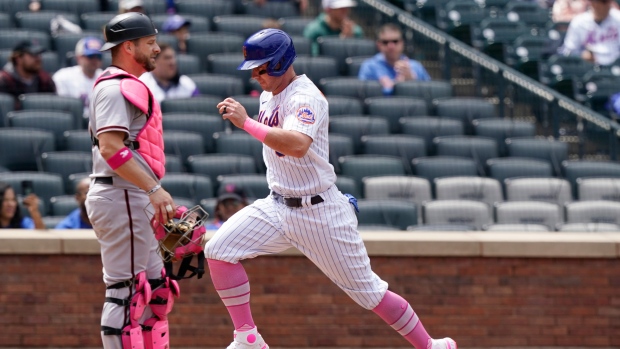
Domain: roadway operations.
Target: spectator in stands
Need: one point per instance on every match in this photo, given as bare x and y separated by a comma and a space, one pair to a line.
334, 21
125, 6
390, 66
302, 5
594, 35
178, 26
11, 215
165, 81
565, 10
231, 199
78, 81
24, 72
78, 218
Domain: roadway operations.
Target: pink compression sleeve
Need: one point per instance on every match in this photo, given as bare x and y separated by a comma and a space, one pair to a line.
256, 129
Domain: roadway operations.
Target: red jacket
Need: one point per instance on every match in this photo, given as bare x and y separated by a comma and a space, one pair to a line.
14, 87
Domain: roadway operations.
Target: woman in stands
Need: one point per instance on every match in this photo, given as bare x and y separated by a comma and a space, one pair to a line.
11, 215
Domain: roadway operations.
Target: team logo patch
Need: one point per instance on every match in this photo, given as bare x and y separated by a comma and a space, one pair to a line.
305, 115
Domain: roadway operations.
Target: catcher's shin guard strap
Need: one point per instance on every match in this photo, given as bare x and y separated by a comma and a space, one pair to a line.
185, 266
156, 334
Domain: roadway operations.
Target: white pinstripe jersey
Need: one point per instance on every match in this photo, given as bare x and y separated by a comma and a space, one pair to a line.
300, 107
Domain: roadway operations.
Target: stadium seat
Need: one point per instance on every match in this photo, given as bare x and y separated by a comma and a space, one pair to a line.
339, 105
51, 101
430, 127
62, 205
392, 213
427, 90
414, 189
576, 169
74, 179
65, 163
174, 164
459, 212
492, 33
529, 212
77, 140
478, 148
303, 46
347, 185
40, 20
500, 129
589, 227
200, 104
598, 211
200, 24
209, 206
360, 166
405, 147
594, 89
458, 16
502, 168
218, 85
213, 165
350, 87
517, 227
555, 32
95, 21
14, 6
271, 9
530, 13
250, 103
316, 68
524, 53
598, 189
554, 190
45, 185
358, 126
254, 185
243, 25
467, 109
394, 108
340, 49
227, 63
204, 124
554, 152
559, 71
209, 8
182, 201
294, 25
48, 120
241, 143
353, 65
26, 147
5, 21
7, 104
188, 185
151, 6
76, 7
188, 64
443, 166
441, 227
183, 144
50, 60
487, 190
204, 44
9, 38
339, 145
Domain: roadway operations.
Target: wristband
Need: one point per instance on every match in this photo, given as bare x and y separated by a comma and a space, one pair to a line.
153, 190
121, 157
256, 129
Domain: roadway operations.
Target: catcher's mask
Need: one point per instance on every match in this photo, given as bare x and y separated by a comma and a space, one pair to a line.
180, 239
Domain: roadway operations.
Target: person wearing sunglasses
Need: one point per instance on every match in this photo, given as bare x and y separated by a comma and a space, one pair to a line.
390, 66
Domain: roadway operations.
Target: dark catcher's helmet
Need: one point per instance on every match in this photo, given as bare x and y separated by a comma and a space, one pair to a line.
127, 26
269, 45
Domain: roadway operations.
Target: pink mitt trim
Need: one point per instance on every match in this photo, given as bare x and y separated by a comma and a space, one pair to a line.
121, 157
256, 129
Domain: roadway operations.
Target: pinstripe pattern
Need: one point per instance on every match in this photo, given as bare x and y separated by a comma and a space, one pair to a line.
327, 232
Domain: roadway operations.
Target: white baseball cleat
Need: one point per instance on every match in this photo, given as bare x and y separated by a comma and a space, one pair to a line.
444, 343
248, 340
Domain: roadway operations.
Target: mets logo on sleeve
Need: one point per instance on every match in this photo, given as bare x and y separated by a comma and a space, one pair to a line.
305, 115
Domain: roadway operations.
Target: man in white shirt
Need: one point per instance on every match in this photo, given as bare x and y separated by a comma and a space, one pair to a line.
165, 81
594, 35
78, 81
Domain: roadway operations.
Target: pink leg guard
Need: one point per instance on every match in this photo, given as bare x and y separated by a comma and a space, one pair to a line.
131, 336
397, 312
232, 285
156, 333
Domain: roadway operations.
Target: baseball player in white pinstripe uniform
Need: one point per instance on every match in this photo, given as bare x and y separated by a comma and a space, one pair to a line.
305, 209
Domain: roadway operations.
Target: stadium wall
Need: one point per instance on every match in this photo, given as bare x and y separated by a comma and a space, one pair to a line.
483, 289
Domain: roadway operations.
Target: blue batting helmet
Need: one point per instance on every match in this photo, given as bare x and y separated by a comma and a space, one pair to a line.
268, 45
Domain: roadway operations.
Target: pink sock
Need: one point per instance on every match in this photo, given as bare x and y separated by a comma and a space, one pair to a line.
397, 312
231, 283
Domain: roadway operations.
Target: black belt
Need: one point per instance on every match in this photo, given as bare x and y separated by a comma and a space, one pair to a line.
296, 202
104, 180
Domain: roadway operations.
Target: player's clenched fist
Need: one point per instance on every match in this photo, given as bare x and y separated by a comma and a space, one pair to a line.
163, 204
233, 111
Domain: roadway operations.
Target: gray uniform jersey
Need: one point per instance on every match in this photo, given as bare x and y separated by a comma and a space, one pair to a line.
108, 112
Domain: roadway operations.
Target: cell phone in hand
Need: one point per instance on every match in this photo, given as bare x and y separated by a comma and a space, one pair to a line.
27, 188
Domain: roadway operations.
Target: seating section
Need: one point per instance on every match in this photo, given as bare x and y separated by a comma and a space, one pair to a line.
427, 158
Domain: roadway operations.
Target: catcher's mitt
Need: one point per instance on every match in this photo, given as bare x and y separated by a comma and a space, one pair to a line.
183, 236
